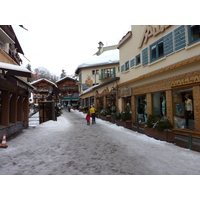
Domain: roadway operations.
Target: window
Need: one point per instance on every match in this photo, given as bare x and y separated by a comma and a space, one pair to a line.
138, 59
193, 33
95, 72
141, 108
157, 50
0, 106
132, 63
183, 109
159, 103
127, 65
107, 73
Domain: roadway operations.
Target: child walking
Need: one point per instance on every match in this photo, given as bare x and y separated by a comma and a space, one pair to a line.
88, 118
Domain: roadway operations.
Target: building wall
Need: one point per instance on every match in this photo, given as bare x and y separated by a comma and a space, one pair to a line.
173, 76
131, 49
88, 77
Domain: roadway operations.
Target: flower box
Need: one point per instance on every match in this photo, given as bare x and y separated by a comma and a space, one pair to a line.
167, 136
125, 124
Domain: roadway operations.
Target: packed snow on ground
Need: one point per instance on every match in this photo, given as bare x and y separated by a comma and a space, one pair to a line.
38, 138
44, 144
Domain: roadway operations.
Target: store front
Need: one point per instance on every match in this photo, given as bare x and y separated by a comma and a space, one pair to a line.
177, 98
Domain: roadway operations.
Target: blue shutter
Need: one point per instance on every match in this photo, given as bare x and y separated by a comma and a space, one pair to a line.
179, 36
132, 63
168, 44
145, 56
122, 68
114, 72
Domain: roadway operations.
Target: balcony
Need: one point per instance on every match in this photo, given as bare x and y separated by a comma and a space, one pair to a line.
107, 76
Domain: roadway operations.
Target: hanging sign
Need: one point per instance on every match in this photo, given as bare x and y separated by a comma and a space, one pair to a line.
126, 92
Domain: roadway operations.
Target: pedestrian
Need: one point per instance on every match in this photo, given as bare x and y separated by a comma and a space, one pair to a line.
92, 113
69, 107
88, 118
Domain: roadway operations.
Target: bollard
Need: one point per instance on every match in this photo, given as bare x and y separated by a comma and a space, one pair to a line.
138, 125
190, 141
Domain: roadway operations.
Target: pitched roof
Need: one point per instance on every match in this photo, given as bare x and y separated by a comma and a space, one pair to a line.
43, 79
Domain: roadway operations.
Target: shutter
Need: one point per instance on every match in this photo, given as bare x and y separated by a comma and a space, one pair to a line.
102, 74
114, 72
180, 39
168, 44
122, 68
132, 63
145, 57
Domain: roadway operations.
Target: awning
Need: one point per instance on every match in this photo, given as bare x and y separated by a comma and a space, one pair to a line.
70, 99
16, 70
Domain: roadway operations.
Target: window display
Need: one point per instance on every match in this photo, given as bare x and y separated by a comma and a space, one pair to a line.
141, 108
0, 105
183, 109
159, 103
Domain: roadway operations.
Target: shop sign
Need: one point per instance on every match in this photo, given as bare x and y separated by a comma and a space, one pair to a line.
185, 81
84, 85
151, 31
126, 92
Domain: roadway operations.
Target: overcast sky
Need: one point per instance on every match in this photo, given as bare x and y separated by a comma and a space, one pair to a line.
65, 46
62, 34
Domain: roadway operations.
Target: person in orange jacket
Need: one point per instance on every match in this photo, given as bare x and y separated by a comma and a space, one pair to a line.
88, 118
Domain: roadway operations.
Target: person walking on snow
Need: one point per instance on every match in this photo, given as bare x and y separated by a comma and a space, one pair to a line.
92, 113
88, 118
69, 107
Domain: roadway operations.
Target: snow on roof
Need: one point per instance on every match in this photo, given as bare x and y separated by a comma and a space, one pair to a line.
7, 66
43, 79
64, 78
89, 89
107, 57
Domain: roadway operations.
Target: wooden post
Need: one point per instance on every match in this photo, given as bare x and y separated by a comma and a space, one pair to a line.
13, 109
5, 108
19, 108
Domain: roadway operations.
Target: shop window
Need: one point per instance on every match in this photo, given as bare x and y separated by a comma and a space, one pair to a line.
138, 59
193, 33
127, 66
157, 50
141, 108
183, 109
0, 106
159, 103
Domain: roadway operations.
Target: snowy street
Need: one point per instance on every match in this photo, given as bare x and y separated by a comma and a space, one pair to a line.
69, 146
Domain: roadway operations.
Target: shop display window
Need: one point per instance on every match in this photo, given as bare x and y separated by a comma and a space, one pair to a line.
0, 106
183, 109
141, 108
127, 104
159, 103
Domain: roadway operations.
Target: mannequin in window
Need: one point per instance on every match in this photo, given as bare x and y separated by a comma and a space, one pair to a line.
188, 109
145, 110
163, 105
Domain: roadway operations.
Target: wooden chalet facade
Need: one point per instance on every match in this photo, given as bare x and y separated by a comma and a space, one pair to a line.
68, 90
14, 90
44, 88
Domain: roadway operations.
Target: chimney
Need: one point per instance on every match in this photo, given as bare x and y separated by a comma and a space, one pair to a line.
100, 48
